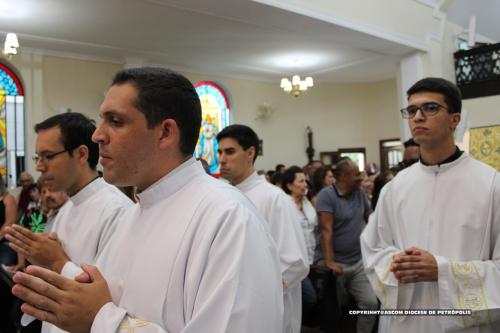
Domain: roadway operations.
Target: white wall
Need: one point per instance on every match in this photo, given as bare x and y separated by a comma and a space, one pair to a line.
340, 115
53, 84
483, 111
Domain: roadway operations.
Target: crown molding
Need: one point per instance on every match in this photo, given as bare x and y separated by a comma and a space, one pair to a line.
71, 55
343, 22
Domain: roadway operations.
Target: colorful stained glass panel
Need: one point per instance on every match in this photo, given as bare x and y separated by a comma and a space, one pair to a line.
215, 116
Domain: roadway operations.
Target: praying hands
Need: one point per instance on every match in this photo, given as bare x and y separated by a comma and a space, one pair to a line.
40, 249
414, 265
70, 305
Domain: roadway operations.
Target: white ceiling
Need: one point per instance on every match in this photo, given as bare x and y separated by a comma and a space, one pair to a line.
487, 14
238, 38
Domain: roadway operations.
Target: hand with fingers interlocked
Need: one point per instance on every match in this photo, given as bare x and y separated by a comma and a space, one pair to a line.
40, 249
71, 305
414, 265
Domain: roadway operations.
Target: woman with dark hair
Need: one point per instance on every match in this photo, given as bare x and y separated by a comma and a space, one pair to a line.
8, 216
323, 177
294, 184
25, 180
379, 182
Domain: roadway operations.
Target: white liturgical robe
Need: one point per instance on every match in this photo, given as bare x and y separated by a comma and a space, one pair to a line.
453, 212
192, 256
280, 212
85, 223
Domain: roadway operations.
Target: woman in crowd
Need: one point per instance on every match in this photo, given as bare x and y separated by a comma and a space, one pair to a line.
294, 184
323, 177
23, 200
382, 179
8, 217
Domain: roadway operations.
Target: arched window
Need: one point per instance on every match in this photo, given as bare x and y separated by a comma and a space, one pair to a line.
11, 126
215, 116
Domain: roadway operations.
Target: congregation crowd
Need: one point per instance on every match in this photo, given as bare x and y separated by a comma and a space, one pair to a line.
154, 244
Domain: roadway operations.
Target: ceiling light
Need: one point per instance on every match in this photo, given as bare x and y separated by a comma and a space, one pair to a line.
296, 86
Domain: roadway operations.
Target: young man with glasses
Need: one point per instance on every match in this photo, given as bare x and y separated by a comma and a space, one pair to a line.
67, 159
434, 239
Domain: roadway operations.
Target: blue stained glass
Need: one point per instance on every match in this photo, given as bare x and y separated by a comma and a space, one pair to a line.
215, 116
8, 84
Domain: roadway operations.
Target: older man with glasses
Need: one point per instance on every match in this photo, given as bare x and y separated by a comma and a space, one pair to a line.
67, 159
434, 239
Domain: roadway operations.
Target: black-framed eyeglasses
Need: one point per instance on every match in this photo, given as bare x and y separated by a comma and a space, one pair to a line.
427, 109
47, 157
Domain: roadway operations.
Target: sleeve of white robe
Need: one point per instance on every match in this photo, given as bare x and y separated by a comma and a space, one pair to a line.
474, 284
240, 290
287, 233
109, 220
378, 248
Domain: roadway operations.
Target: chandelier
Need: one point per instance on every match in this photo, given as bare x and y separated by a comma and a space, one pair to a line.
10, 46
296, 86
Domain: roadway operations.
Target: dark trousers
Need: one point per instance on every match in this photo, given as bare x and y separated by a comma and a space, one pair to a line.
330, 308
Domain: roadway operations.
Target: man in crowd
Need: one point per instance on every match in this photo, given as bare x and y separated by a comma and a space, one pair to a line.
310, 169
434, 240
192, 256
67, 159
411, 154
238, 147
343, 209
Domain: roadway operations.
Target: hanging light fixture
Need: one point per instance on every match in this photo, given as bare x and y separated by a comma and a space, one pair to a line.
296, 86
11, 45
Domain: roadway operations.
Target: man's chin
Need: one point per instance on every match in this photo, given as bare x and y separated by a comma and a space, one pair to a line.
115, 180
225, 176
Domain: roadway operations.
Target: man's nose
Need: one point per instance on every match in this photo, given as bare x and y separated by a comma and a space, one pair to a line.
419, 116
40, 166
98, 135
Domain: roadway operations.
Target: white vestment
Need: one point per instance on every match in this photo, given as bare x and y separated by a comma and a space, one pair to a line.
453, 212
84, 224
280, 212
192, 256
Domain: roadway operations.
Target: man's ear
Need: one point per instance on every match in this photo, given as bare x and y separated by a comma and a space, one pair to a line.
82, 153
168, 133
251, 153
455, 119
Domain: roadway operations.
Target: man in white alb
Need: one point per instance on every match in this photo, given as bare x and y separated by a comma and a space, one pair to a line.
192, 256
238, 147
67, 159
434, 240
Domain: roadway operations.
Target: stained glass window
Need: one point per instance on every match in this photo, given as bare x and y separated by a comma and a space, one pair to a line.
11, 126
215, 116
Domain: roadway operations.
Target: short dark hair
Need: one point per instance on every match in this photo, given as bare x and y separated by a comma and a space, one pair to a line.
341, 167
449, 90
162, 94
289, 177
76, 130
410, 143
244, 135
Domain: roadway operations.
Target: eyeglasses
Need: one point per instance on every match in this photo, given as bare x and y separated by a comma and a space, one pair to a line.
427, 109
47, 157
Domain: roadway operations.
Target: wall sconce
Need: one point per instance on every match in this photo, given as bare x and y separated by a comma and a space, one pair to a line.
11, 45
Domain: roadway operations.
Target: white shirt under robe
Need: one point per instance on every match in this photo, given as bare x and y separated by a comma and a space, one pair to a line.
85, 223
192, 256
453, 212
280, 212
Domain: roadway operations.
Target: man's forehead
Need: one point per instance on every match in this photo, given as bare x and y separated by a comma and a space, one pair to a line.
119, 95
426, 96
227, 143
50, 136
